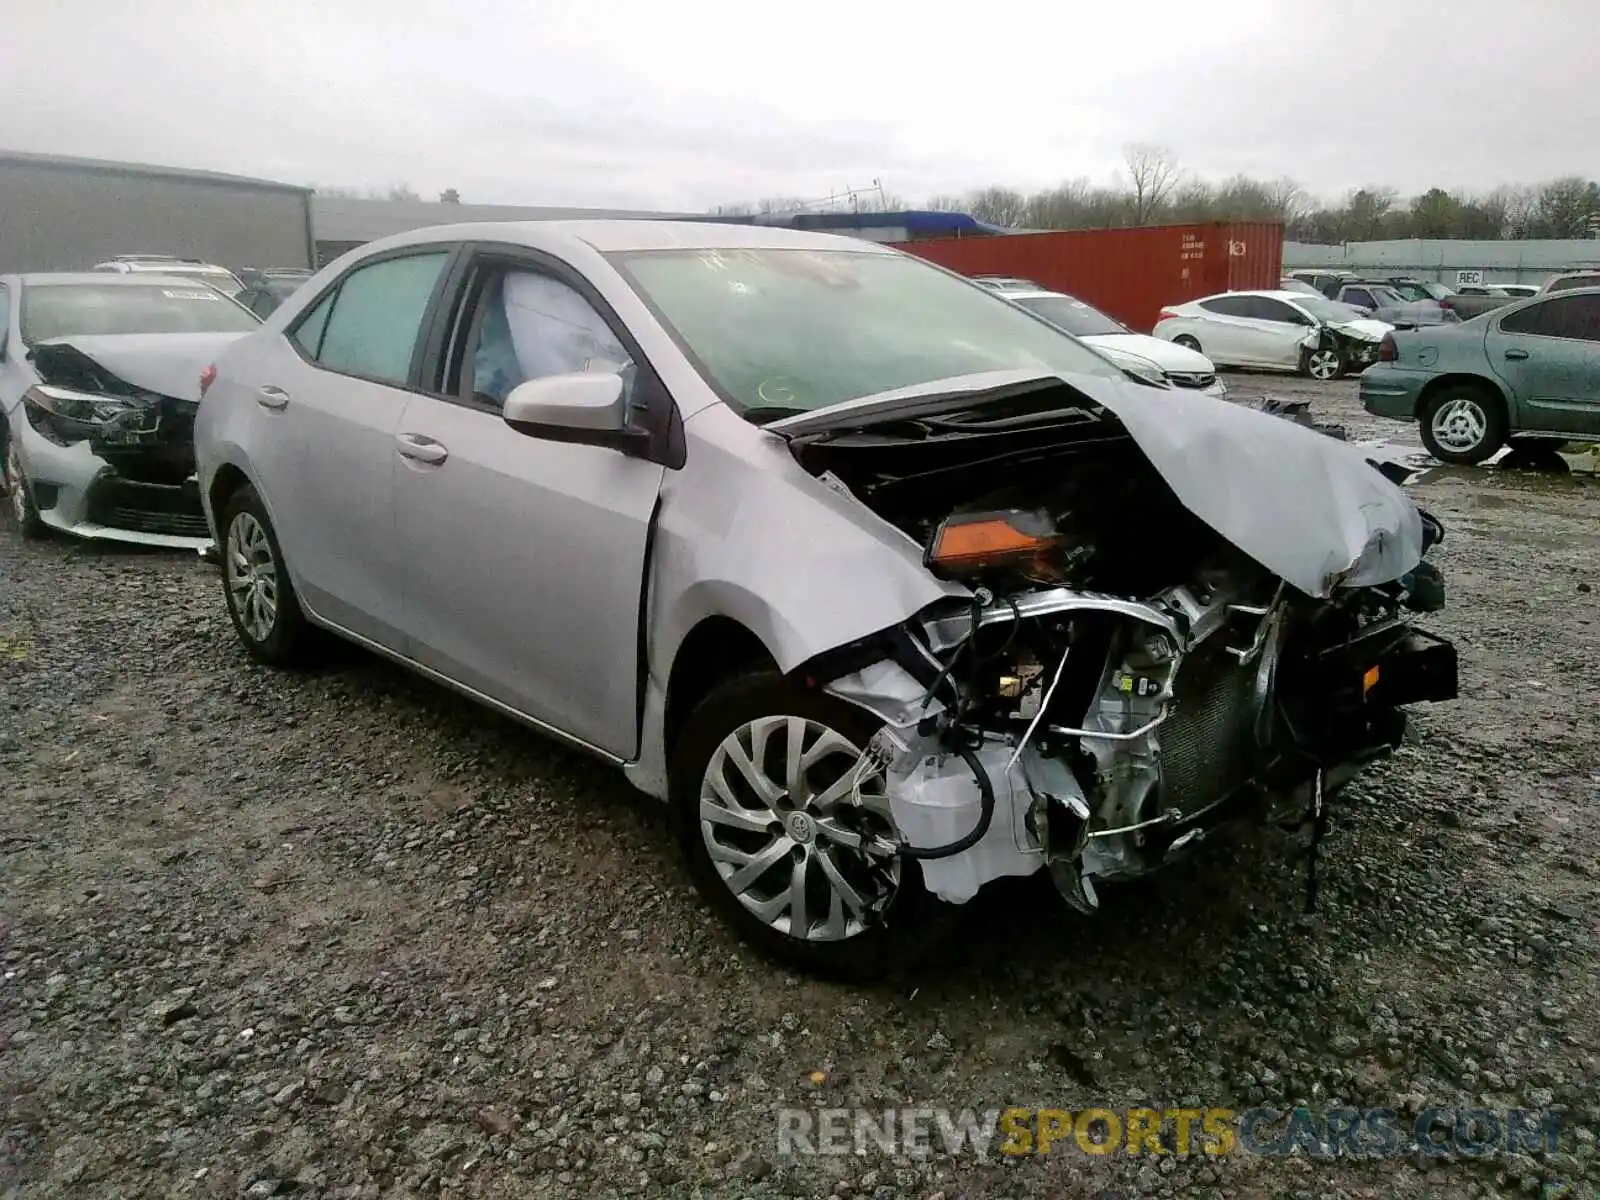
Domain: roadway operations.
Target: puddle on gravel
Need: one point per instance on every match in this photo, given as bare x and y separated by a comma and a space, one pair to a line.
1533, 470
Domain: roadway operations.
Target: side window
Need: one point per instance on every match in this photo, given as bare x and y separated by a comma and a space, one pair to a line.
1576, 317
308, 333
1264, 308
5, 320
1359, 296
377, 314
528, 325
1227, 306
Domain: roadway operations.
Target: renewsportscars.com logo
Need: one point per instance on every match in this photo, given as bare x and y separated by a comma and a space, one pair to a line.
1016, 1132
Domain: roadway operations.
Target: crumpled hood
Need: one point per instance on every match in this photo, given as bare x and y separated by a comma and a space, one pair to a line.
1308, 507
1366, 327
165, 363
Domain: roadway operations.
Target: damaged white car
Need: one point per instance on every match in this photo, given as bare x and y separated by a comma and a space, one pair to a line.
889, 589
99, 384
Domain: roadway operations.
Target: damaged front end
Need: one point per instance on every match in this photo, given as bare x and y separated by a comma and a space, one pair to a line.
1125, 680
1354, 349
108, 458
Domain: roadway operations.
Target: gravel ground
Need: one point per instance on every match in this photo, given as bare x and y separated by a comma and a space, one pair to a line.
340, 934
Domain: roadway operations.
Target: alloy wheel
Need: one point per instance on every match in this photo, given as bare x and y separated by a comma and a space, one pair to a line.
1323, 364
799, 829
252, 576
1460, 424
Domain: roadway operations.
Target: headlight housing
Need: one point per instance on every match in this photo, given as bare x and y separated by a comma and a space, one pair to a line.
65, 415
1141, 369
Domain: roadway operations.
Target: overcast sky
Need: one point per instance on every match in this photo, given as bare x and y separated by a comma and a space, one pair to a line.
689, 104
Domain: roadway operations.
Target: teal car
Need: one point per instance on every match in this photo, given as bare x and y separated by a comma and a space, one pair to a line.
1528, 371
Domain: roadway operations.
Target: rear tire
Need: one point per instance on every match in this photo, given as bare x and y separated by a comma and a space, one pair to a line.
1187, 342
29, 523
1462, 424
255, 582
731, 821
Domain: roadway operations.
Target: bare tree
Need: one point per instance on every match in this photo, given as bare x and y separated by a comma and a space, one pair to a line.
1002, 206
1152, 174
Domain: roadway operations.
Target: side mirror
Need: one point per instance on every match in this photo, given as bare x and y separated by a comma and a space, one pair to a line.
584, 406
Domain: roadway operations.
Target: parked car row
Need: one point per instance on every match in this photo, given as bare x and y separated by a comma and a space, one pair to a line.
890, 587
1278, 330
1529, 370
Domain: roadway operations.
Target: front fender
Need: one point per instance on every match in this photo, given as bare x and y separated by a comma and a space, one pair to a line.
749, 535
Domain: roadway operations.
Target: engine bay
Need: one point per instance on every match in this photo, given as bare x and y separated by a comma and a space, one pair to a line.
1124, 680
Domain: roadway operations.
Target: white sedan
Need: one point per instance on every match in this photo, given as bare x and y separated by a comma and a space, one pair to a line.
1275, 330
1178, 366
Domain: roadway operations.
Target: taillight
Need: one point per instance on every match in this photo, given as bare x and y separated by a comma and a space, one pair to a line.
1446, 302
1388, 350
1168, 315
207, 378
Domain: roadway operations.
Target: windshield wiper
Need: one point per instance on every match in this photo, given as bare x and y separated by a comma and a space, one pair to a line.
760, 414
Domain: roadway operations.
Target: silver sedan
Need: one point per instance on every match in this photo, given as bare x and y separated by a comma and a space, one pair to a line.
889, 587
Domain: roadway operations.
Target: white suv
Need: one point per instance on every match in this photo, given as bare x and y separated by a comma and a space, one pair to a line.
224, 280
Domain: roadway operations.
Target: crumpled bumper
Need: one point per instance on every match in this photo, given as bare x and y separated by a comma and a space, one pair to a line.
78, 492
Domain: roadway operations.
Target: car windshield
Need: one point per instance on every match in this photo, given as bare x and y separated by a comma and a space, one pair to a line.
1387, 295
789, 331
1437, 291
82, 309
1331, 311
1076, 317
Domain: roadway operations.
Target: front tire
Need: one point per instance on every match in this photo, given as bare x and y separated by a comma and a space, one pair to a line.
260, 597
761, 784
1324, 363
1463, 425
29, 523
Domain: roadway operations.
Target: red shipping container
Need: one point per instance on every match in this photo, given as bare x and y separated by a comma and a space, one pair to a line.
1128, 273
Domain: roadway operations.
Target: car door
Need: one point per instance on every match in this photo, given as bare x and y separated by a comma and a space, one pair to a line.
328, 399
525, 557
1548, 353
1226, 335
1277, 329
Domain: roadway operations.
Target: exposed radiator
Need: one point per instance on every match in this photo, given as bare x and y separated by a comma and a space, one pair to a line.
1207, 743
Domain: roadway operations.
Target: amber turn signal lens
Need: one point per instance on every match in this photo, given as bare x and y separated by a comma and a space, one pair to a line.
1369, 680
985, 540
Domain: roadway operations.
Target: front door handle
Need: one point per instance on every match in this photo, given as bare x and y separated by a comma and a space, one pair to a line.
274, 398
420, 449
1516, 354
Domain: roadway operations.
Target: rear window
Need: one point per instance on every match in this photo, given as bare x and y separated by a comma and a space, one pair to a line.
1074, 316
84, 309
1574, 281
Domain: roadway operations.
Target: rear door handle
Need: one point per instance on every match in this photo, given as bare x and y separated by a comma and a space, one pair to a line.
274, 398
420, 449
1516, 354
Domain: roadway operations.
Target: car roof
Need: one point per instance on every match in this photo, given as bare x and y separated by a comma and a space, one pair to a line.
1032, 294
621, 236
1268, 293
187, 266
101, 279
